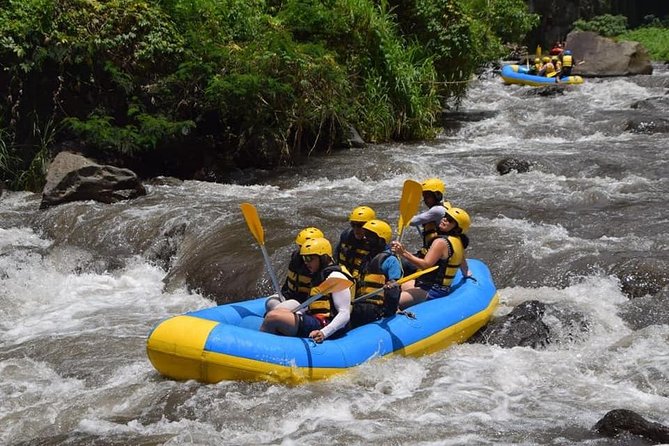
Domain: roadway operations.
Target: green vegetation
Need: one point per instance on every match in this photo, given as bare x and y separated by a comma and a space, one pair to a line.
654, 36
253, 82
654, 39
606, 25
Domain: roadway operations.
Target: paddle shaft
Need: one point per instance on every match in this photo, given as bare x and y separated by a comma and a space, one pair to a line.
252, 219
400, 281
338, 284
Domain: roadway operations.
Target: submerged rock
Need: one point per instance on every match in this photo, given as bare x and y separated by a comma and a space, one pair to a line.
523, 327
639, 277
621, 421
506, 165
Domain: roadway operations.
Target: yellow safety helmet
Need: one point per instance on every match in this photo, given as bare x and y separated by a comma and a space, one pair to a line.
362, 214
554, 58
316, 246
537, 60
308, 233
546, 59
461, 218
380, 228
434, 185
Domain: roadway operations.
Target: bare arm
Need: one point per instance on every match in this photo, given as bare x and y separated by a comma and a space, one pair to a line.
438, 249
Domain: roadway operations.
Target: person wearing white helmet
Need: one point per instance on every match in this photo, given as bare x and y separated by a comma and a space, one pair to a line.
447, 251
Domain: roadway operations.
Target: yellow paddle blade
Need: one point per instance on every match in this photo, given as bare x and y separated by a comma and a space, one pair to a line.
553, 74
538, 52
329, 285
253, 221
412, 193
333, 284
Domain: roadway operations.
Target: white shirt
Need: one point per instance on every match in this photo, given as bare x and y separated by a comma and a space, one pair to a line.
342, 302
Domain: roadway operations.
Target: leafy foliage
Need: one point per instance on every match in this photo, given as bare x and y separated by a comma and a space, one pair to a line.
654, 39
259, 82
606, 25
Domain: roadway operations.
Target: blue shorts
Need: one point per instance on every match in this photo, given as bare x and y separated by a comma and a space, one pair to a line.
437, 291
306, 324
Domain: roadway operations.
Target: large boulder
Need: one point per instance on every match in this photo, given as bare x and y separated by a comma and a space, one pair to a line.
600, 56
72, 177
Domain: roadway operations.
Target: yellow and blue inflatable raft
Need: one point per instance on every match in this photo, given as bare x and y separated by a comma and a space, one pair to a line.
518, 74
224, 343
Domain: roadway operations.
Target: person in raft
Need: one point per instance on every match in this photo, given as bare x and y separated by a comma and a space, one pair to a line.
447, 251
323, 318
380, 269
427, 222
298, 279
352, 247
548, 67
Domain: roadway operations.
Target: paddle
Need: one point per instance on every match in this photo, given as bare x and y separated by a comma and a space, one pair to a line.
412, 192
253, 221
329, 285
400, 281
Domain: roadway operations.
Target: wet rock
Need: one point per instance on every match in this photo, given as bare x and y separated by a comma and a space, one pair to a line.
72, 177
164, 249
164, 181
211, 264
453, 119
659, 103
619, 422
647, 124
523, 327
350, 138
639, 277
548, 90
508, 164
600, 56
648, 310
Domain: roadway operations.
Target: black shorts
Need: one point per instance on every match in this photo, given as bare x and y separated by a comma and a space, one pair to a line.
364, 313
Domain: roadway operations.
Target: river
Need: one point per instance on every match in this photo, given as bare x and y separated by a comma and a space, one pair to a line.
82, 284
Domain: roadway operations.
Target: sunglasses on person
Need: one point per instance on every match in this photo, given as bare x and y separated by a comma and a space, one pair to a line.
308, 258
449, 219
357, 224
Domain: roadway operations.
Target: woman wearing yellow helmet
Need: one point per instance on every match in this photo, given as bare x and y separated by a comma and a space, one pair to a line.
325, 316
352, 247
447, 251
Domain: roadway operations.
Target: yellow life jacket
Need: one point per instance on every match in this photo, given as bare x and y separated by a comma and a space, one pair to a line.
298, 279
372, 278
550, 68
448, 267
567, 61
443, 276
324, 308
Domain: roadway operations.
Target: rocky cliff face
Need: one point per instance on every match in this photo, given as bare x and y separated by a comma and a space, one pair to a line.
557, 16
